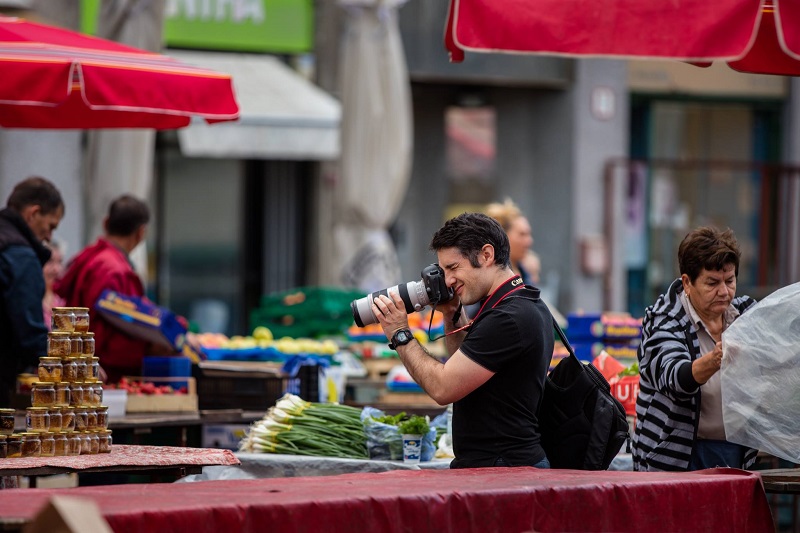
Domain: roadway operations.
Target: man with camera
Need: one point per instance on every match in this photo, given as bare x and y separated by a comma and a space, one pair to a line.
498, 361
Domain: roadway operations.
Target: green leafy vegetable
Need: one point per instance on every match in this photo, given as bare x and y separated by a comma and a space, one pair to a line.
416, 425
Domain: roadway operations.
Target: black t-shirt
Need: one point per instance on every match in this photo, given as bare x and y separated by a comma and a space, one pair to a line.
514, 339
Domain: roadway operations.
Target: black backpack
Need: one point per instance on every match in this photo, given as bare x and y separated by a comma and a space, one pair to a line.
583, 426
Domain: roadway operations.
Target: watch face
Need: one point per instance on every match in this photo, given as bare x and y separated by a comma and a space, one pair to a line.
403, 337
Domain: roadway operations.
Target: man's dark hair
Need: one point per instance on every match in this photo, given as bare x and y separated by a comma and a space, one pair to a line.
469, 232
707, 248
125, 215
35, 191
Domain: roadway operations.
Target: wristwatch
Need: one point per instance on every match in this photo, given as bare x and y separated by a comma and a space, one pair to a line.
401, 338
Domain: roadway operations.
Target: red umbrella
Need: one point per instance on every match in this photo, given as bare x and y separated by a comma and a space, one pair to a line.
760, 36
55, 78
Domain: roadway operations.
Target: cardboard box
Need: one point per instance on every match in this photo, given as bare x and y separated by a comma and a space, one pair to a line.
159, 403
142, 319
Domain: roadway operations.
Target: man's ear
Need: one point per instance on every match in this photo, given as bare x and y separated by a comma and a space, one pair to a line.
487, 253
29, 211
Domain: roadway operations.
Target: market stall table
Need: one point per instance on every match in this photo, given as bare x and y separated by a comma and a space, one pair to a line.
486, 499
271, 465
139, 459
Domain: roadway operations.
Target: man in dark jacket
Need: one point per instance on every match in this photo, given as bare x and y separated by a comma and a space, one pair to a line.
32, 212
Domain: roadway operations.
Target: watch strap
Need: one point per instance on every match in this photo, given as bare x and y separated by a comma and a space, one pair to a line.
394, 344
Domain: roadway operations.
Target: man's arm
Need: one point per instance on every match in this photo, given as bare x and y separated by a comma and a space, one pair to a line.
444, 382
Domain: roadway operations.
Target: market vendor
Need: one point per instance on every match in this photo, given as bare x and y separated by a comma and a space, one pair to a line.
679, 409
496, 370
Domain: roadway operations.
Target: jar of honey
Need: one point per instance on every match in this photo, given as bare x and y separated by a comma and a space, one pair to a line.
50, 369
43, 394
63, 319
6, 421
81, 318
59, 344
37, 419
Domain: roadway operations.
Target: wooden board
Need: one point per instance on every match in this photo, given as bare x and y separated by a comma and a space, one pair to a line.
160, 403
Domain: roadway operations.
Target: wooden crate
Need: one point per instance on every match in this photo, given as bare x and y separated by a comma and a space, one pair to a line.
160, 403
378, 368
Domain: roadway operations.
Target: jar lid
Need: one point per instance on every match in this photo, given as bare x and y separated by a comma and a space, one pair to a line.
88, 334
62, 309
2, 437
59, 334
80, 309
50, 359
63, 384
15, 436
37, 409
29, 434
66, 408
7, 411
101, 407
42, 384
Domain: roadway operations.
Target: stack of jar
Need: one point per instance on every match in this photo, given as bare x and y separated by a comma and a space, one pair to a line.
66, 416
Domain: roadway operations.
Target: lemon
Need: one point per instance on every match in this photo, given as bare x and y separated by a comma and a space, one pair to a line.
262, 333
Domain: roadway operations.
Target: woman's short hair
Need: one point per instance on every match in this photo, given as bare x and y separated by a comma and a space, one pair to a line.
708, 248
505, 213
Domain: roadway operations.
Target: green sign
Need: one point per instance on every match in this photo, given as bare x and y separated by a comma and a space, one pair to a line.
280, 26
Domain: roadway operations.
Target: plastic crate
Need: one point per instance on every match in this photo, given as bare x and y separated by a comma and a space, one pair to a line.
238, 390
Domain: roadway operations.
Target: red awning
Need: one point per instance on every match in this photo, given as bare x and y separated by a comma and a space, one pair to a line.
55, 78
759, 36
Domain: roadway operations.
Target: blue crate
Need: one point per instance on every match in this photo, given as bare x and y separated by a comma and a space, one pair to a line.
169, 366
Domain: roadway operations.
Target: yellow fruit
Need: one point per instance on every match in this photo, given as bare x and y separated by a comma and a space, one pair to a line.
262, 333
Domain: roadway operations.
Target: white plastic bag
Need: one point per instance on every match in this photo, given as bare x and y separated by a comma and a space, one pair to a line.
761, 376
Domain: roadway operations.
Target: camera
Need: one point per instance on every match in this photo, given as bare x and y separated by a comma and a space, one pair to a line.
430, 290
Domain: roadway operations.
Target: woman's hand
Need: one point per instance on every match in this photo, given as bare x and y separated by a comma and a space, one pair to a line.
707, 365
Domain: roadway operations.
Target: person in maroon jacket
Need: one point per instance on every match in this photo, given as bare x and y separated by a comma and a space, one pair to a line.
106, 265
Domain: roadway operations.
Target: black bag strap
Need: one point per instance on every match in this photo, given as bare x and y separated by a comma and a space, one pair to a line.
593, 373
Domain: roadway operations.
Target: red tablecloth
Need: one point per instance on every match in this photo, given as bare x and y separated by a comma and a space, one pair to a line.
490, 499
127, 456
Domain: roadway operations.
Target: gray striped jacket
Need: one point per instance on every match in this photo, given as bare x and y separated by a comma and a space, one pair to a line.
667, 415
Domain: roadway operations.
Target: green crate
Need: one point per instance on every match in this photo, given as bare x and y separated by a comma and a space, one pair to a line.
309, 302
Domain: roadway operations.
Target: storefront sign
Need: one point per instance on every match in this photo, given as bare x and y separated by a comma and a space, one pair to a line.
284, 26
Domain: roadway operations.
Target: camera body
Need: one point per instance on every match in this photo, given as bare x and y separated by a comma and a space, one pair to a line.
430, 290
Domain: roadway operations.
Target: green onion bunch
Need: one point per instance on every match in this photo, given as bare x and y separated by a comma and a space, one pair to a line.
296, 427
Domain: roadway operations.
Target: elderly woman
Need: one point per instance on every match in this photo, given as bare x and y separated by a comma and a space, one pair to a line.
679, 408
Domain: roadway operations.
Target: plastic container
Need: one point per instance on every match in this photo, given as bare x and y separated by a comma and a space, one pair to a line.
116, 400
6, 421
3, 447
50, 369
63, 319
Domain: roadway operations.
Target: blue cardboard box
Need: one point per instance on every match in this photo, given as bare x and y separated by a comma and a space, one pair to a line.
142, 319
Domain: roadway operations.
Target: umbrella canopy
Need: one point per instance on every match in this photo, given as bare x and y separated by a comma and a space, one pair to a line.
758, 36
55, 78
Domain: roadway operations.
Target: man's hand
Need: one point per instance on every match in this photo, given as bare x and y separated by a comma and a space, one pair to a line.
391, 313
